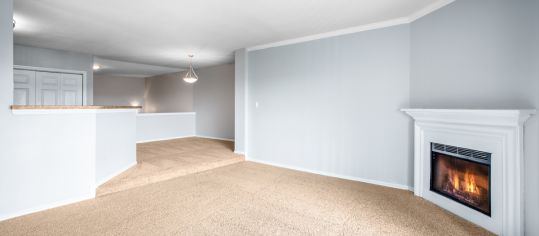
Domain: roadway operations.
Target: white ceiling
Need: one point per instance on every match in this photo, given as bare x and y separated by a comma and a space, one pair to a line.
163, 32
130, 69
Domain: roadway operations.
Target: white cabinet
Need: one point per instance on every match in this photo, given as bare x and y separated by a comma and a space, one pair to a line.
24, 87
47, 88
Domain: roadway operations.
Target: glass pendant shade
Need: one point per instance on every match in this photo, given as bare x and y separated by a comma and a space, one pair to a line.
190, 76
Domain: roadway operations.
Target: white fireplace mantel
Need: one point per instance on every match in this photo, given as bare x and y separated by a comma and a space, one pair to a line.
499, 132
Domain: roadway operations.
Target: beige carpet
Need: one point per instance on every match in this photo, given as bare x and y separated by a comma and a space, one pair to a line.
247, 199
163, 160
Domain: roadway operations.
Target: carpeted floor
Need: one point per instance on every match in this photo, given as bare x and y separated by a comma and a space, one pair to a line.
247, 199
163, 160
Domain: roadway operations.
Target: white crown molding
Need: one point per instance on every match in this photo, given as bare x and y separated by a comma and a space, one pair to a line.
383, 24
429, 9
378, 25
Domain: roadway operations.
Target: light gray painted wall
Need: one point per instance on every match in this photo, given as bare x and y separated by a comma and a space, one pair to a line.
6, 62
479, 54
58, 59
211, 97
332, 106
168, 93
240, 99
214, 102
113, 90
160, 126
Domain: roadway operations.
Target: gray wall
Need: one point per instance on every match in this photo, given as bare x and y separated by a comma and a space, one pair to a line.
480, 54
168, 93
240, 99
211, 97
6, 64
332, 106
214, 102
113, 90
58, 59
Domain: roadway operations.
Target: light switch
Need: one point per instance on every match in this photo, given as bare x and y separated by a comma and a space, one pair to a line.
256, 104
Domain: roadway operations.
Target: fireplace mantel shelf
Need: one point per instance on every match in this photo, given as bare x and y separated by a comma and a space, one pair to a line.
496, 117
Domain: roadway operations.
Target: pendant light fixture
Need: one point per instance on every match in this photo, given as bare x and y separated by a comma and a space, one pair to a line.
190, 76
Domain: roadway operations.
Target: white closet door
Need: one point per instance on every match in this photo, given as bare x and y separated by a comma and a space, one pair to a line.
48, 88
24, 83
71, 90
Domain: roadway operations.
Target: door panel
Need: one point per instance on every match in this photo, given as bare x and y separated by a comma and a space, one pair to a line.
21, 96
71, 90
49, 97
24, 87
70, 98
47, 88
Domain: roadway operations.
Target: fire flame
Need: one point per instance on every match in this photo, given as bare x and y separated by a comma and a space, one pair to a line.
456, 181
468, 184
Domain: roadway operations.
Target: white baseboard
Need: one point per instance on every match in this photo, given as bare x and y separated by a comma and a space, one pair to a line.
347, 177
239, 152
109, 177
163, 139
217, 138
90, 195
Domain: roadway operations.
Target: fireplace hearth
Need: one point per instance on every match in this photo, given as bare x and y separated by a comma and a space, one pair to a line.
462, 175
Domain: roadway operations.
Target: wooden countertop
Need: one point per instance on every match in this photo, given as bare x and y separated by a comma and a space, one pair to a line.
24, 107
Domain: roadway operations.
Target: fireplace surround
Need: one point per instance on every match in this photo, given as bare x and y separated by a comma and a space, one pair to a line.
487, 190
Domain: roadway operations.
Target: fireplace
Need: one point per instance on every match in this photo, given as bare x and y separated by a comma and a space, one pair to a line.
490, 181
463, 175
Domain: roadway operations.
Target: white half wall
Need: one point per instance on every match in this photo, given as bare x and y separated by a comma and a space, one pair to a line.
162, 126
116, 149
62, 155
48, 161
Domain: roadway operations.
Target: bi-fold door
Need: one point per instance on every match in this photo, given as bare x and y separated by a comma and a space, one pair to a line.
47, 88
